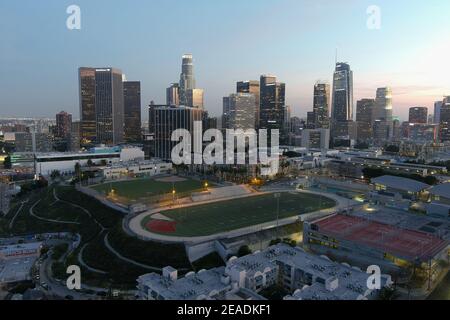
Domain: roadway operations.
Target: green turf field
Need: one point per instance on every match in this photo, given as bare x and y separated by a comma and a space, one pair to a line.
144, 188
209, 219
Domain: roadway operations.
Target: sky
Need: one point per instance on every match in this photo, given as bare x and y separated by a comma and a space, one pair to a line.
231, 40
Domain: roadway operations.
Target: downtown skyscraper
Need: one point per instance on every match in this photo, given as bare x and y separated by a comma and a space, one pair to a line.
252, 87
418, 115
321, 105
187, 79
342, 93
173, 95
382, 116
101, 106
239, 111
342, 102
445, 120
364, 119
272, 103
132, 110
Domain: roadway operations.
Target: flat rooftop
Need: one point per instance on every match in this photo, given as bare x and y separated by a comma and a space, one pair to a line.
392, 239
189, 287
16, 270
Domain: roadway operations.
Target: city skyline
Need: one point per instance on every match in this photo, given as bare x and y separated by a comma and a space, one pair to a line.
302, 52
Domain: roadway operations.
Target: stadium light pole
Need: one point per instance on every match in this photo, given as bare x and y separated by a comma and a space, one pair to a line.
277, 196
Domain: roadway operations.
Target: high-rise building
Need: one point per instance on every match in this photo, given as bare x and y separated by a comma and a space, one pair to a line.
195, 98
445, 120
187, 79
75, 136
32, 142
364, 120
63, 125
173, 95
383, 130
310, 120
253, 87
342, 125
88, 127
321, 105
272, 103
437, 111
101, 106
164, 120
109, 106
132, 110
418, 115
225, 112
241, 111
342, 109
316, 139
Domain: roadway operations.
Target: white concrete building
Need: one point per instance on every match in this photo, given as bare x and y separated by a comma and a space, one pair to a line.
45, 163
305, 275
136, 168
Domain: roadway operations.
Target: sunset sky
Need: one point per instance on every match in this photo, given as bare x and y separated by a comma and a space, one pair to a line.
231, 40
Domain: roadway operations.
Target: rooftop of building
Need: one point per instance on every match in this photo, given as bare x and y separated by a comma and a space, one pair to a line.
441, 190
400, 183
189, 287
352, 281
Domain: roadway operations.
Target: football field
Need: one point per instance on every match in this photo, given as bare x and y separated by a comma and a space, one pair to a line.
137, 189
218, 217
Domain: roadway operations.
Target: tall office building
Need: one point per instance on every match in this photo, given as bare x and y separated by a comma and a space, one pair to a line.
225, 112
195, 98
132, 110
316, 139
364, 120
75, 136
310, 120
342, 124
272, 103
253, 87
164, 120
63, 125
382, 114
101, 106
241, 111
445, 120
173, 95
418, 115
321, 105
109, 106
187, 79
88, 129
342, 93
437, 111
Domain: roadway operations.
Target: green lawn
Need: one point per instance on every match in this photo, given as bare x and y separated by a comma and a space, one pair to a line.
230, 215
142, 188
95, 253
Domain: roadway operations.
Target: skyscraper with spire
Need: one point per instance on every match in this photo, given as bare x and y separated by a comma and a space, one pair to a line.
342, 93
187, 79
342, 124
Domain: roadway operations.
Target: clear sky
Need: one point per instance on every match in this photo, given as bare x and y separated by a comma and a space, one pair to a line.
231, 40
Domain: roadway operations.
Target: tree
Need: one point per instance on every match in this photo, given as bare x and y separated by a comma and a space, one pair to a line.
244, 251
392, 148
55, 174
388, 294
77, 169
7, 163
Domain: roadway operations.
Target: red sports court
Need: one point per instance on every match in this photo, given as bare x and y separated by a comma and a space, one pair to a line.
406, 243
